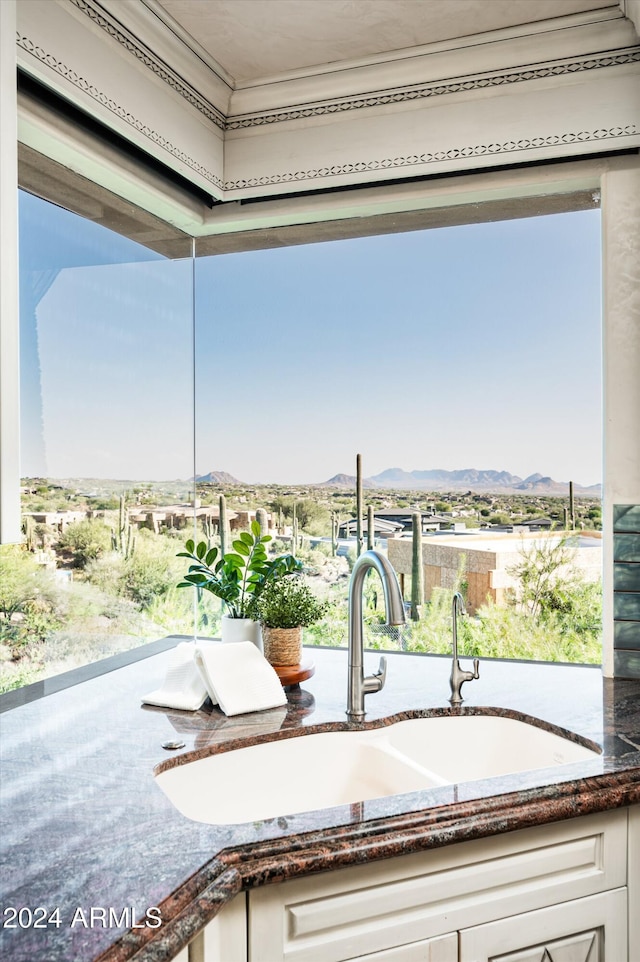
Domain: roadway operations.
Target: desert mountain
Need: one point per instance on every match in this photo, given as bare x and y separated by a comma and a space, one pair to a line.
466, 479
345, 481
218, 477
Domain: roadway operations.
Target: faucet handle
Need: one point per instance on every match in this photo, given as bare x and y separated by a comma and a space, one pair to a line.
476, 667
376, 681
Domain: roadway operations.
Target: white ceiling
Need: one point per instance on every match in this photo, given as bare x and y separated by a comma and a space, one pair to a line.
255, 39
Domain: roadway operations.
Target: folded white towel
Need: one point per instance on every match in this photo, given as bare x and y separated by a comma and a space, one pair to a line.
239, 678
183, 686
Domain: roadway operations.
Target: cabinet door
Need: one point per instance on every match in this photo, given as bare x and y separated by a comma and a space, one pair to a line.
585, 930
443, 949
362, 910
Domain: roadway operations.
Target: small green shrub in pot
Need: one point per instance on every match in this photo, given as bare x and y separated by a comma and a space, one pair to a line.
285, 607
240, 577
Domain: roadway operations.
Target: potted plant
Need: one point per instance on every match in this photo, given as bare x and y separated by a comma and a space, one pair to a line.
238, 578
285, 607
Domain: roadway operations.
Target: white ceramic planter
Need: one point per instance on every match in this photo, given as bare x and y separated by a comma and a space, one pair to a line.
241, 629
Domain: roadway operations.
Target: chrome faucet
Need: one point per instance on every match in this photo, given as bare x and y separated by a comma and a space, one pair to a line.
359, 686
458, 676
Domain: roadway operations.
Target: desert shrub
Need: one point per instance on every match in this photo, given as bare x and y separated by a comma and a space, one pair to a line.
152, 570
173, 612
106, 572
85, 541
18, 570
145, 578
30, 601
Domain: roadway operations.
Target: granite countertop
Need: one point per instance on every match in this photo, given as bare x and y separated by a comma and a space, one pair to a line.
86, 827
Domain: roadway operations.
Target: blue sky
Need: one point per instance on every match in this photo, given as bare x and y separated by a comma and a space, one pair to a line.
473, 346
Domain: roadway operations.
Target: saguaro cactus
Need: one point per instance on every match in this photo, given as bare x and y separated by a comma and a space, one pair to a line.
30, 532
208, 529
334, 533
370, 528
263, 521
572, 507
359, 504
123, 540
294, 530
417, 580
223, 524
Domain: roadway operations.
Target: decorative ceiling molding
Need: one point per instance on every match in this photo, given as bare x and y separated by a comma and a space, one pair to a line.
437, 89
72, 77
366, 100
631, 10
511, 102
141, 52
424, 159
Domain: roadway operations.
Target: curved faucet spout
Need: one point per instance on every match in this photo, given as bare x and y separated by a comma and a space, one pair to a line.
359, 686
458, 675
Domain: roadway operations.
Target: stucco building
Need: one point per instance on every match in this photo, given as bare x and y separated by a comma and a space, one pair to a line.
484, 562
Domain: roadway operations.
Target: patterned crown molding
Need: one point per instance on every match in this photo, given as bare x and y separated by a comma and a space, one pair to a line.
105, 101
142, 53
421, 160
353, 102
435, 89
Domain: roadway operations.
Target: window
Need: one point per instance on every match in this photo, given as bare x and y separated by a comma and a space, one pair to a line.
430, 352
463, 364
106, 462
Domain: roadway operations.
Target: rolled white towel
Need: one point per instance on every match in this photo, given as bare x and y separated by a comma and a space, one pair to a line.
239, 678
183, 687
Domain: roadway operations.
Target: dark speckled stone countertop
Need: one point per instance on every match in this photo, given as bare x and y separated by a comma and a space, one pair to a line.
85, 826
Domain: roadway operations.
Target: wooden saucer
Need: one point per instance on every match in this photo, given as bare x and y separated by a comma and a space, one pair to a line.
294, 674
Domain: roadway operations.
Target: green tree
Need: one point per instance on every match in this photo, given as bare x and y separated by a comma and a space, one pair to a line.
544, 575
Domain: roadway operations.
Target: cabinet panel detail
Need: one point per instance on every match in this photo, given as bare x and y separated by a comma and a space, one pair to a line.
586, 947
574, 931
444, 949
359, 911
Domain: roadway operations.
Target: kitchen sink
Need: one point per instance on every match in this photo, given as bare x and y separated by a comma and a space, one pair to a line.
324, 769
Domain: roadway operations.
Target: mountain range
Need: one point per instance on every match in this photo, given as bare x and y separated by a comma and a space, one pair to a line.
466, 479
437, 479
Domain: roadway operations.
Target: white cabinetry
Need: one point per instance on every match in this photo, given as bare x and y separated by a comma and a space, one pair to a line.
569, 932
566, 892
557, 888
224, 939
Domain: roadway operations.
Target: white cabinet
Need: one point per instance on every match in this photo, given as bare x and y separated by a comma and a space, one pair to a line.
224, 939
570, 932
548, 888
567, 892
444, 949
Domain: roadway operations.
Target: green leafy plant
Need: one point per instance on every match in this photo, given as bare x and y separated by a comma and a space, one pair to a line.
240, 577
289, 603
545, 575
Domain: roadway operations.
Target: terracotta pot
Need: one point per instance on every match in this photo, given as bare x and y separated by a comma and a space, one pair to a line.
282, 646
241, 629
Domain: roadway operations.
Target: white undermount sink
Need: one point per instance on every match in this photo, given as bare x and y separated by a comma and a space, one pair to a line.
324, 769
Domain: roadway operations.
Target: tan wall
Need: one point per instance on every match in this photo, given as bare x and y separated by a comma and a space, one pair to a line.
479, 589
485, 571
